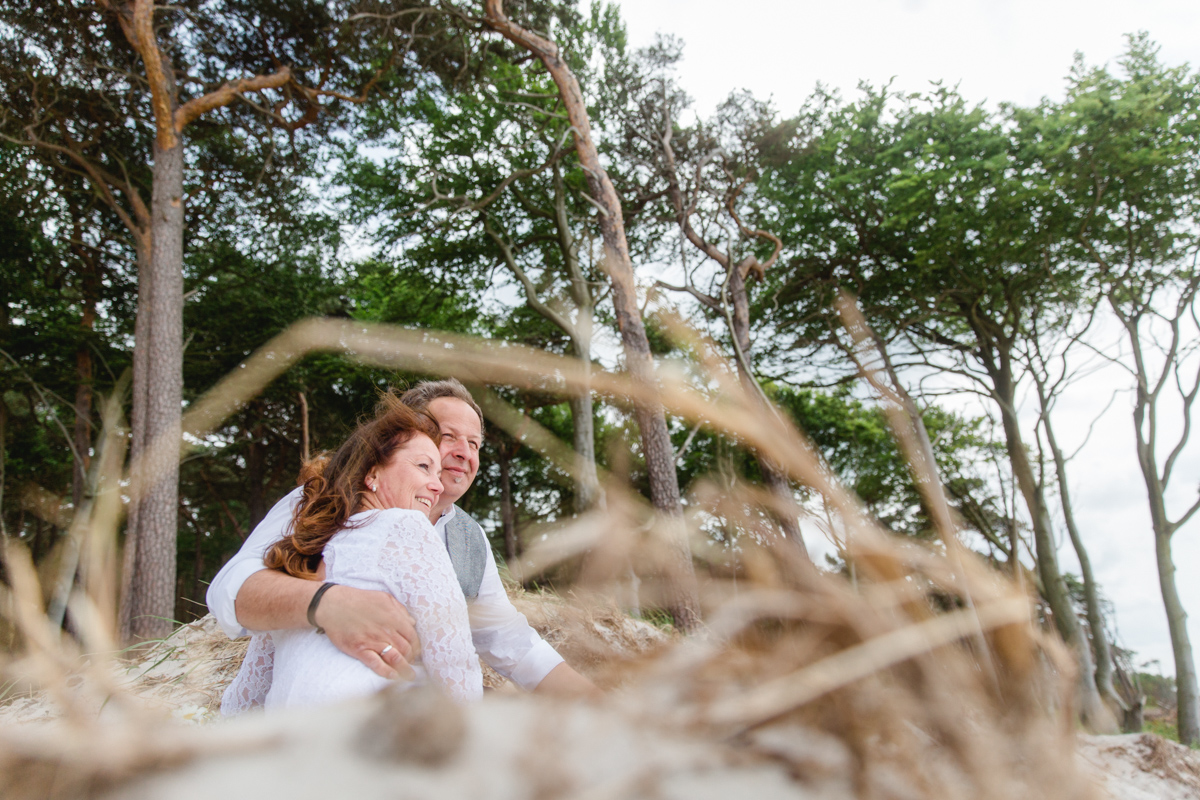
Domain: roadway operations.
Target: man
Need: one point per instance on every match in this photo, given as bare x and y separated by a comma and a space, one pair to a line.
373, 626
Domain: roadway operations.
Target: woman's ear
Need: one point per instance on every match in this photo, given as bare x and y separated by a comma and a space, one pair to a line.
371, 481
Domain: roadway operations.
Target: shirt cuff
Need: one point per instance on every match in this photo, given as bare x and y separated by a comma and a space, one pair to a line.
535, 665
224, 607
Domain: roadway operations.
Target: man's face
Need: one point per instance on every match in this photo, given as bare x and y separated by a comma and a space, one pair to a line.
459, 446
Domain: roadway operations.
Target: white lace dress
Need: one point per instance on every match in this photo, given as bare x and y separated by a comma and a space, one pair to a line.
394, 550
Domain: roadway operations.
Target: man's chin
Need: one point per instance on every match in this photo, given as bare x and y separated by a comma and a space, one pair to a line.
451, 495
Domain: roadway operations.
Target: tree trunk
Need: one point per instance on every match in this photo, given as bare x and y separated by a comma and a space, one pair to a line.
3, 430
508, 513
680, 577
304, 455
1094, 714
82, 434
81, 437
587, 484
1100, 647
1187, 690
152, 596
256, 500
198, 567
38, 548
3, 463
137, 432
1186, 687
774, 478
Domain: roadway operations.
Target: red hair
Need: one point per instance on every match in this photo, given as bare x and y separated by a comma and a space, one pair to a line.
333, 485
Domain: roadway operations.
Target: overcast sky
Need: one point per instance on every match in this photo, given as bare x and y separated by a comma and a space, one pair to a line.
999, 50
995, 51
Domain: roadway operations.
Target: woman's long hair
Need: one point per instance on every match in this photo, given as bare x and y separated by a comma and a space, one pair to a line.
333, 485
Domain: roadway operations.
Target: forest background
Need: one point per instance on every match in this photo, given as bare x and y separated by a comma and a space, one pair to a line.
412, 171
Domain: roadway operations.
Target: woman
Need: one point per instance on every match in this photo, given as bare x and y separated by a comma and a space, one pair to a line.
363, 514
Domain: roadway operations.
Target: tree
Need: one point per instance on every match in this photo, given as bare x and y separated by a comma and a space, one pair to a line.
1127, 150
656, 440
81, 100
1051, 363
158, 362
58, 62
63, 286
940, 225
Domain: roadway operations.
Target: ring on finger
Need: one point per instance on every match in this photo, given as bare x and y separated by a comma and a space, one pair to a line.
384, 651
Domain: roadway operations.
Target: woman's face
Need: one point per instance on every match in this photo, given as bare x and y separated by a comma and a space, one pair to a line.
409, 479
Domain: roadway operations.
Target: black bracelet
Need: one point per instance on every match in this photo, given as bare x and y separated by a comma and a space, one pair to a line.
312, 606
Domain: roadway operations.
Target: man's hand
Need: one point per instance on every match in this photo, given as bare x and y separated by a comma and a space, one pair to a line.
359, 622
364, 623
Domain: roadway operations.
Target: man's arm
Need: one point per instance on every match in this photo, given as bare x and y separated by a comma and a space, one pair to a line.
507, 642
358, 622
269, 600
245, 596
563, 681
223, 592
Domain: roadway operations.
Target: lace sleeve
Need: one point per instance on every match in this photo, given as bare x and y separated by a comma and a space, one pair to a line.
249, 688
414, 564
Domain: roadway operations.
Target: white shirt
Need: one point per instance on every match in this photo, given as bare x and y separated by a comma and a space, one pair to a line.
501, 634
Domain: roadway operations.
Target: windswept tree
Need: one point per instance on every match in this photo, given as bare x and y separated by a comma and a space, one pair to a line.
1128, 150
931, 215
657, 449
1054, 362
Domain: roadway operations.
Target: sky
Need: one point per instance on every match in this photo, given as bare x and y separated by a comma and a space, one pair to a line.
996, 51
1016, 51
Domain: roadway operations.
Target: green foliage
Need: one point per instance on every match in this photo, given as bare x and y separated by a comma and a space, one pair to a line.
964, 233
1158, 689
855, 441
1124, 154
926, 210
54, 273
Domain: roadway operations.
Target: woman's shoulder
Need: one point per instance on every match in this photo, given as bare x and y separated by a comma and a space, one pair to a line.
389, 518
367, 531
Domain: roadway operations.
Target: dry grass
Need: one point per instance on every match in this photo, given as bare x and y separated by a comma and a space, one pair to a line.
924, 678
1169, 759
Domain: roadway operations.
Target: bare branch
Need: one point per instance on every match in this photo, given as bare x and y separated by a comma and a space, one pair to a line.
706, 299
531, 293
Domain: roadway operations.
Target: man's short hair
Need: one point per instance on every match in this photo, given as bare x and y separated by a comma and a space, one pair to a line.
421, 395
